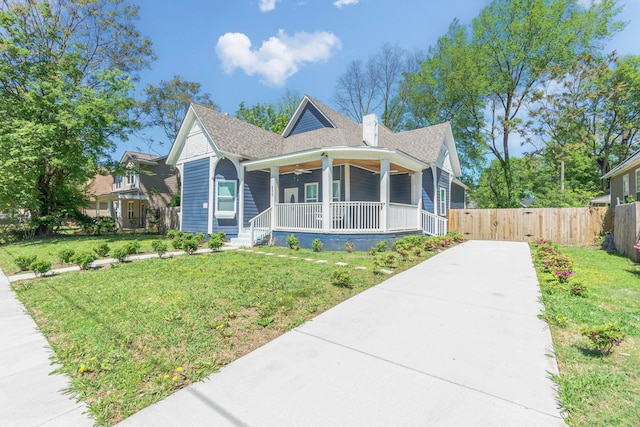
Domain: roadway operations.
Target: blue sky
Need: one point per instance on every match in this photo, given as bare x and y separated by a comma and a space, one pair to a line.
253, 50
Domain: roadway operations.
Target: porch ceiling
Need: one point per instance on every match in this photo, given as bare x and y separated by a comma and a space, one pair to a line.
372, 165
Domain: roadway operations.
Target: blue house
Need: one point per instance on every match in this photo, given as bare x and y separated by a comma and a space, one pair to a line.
325, 177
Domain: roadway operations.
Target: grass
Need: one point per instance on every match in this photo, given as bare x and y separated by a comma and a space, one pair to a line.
129, 335
596, 390
48, 247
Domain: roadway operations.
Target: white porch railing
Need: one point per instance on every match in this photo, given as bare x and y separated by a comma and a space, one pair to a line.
402, 217
299, 216
356, 217
260, 226
434, 225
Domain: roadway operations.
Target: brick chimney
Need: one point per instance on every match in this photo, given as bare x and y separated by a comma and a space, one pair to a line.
370, 130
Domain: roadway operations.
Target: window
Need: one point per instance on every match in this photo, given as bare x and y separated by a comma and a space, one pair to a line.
625, 186
336, 191
117, 182
443, 202
132, 179
637, 184
311, 192
130, 211
225, 199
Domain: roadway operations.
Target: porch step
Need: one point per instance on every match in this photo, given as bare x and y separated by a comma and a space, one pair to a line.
243, 239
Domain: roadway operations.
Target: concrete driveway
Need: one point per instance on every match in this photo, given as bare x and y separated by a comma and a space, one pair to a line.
454, 341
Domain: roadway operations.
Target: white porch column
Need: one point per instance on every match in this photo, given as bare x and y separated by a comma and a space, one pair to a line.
416, 194
275, 192
347, 182
435, 197
327, 192
385, 189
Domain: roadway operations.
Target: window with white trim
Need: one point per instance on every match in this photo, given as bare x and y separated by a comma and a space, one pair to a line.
225, 198
311, 192
625, 186
443, 202
637, 184
336, 191
132, 179
117, 182
130, 210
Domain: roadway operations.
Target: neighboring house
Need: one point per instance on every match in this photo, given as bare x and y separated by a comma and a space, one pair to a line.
150, 184
99, 190
624, 180
325, 177
601, 201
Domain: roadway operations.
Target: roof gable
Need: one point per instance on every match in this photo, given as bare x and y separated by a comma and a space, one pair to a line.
310, 119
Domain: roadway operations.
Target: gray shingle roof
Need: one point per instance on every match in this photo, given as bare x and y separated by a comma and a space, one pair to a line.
251, 142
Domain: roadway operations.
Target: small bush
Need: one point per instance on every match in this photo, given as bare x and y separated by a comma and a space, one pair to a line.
578, 289
293, 242
177, 242
317, 245
65, 255
133, 247
216, 241
24, 261
121, 254
342, 278
84, 259
159, 247
604, 337
102, 250
189, 246
40, 267
382, 246
200, 237
171, 234
348, 246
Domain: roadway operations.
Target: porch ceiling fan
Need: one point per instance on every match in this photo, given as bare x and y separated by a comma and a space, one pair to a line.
299, 171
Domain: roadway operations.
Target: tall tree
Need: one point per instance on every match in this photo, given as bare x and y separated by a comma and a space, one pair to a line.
519, 42
66, 71
270, 116
166, 103
374, 87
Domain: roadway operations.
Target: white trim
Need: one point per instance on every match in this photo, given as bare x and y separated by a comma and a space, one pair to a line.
309, 184
181, 172
333, 193
442, 201
385, 190
213, 162
240, 171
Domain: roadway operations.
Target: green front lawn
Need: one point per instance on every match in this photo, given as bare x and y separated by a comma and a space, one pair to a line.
131, 334
47, 248
596, 390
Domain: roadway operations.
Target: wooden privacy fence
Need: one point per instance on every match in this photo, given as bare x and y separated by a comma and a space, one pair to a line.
168, 219
567, 226
627, 229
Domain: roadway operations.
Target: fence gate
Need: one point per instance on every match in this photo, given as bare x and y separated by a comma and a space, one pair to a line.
572, 226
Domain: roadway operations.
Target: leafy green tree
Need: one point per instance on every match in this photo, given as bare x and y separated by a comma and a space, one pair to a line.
66, 72
269, 116
167, 102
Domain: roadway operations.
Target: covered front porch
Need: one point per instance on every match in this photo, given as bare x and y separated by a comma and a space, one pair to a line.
346, 191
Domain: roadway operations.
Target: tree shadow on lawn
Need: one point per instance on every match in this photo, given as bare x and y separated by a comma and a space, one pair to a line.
589, 352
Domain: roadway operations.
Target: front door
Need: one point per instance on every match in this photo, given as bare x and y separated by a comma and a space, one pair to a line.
291, 195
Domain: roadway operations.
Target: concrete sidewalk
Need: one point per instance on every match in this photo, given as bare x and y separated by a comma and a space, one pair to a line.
454, 341
29, 394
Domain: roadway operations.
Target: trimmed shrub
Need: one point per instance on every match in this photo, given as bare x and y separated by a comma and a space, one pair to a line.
177, 242
342, 278
159, 247
216, 241
200, 237
189, 246
317, 245
102, 250
172, 234
133, 247
604, 337
24, 261
84, 259
121, 254
293, 242
40, 267
65, 255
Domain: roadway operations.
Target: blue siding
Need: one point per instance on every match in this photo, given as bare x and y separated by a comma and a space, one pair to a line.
427, 190
400, 189
365, 185
310, 119
457, 196
443, 182
225, 169
291, 180
256, 194
335, 242
195, 193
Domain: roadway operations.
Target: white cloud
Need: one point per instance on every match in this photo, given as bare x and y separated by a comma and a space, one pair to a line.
267, 5
340, 3
278, 58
